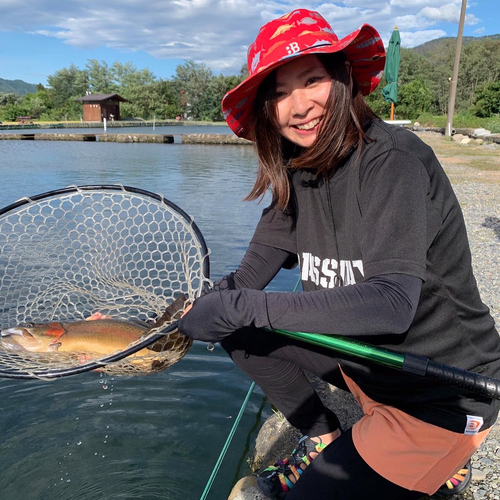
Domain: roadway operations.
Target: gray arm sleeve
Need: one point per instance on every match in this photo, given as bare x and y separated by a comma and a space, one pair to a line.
258, 267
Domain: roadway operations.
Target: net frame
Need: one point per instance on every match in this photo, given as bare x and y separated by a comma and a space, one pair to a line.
72, 217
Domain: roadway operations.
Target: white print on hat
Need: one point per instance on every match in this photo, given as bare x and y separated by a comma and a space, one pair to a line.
473, 425
292, 48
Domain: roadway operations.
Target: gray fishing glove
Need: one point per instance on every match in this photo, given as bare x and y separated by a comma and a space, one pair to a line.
218, 314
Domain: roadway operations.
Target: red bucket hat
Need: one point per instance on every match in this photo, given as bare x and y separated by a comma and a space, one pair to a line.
296, 34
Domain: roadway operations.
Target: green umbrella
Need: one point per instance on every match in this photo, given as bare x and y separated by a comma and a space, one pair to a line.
393, 58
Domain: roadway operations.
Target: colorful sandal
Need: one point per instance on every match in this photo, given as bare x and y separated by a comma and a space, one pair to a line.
273, 481
305, 447
458, 483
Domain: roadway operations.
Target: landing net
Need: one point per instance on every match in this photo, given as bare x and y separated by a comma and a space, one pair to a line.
120, 251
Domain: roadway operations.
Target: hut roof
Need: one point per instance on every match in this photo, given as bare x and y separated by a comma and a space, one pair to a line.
101, 97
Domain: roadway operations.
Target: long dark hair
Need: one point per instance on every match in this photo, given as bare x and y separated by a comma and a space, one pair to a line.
341, 131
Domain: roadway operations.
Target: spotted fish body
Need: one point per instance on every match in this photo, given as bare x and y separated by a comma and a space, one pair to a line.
103, 336
100, 337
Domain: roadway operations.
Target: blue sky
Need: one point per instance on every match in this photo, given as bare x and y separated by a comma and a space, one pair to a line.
39, 37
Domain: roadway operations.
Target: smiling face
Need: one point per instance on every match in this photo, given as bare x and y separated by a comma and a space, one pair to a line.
302, 90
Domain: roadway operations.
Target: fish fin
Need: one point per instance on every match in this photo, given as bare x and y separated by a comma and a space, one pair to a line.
172, 312
54, 346
97, 315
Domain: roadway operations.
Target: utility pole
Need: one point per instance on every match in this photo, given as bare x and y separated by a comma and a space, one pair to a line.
454, 79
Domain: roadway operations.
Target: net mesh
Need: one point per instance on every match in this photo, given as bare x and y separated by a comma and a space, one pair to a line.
126, 254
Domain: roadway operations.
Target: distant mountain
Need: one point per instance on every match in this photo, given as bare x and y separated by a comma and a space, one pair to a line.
17, 87
439, 44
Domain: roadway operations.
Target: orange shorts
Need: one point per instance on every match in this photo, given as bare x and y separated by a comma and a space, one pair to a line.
406, 451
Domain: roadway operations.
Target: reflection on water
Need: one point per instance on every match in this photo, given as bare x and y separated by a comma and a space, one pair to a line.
87, 436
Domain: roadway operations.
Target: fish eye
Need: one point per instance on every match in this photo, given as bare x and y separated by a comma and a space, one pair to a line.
29, 325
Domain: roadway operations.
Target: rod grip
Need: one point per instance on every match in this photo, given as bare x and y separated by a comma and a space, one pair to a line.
474, 382
471, 381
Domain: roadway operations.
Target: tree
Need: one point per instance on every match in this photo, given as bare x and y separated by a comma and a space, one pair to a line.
378, 104
100, 77
12, 111
210, 102
487, 100
7, 98
35, 105
127, 76
137, 86
170, 103
67, 84
413, 66
479, 64
192, 80
415, 98
243, 72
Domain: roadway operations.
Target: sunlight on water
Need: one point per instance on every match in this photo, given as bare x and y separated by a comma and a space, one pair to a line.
93, 436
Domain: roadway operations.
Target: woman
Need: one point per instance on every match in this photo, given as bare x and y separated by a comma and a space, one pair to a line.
371, 218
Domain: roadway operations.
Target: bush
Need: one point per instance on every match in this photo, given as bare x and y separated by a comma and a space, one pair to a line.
414, 99
12, 111
379, 105
487, 102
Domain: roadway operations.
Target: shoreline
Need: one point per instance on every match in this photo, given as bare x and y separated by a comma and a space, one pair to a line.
117, 124
129, 138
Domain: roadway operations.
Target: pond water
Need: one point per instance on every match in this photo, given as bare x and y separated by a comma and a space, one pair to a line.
92, 436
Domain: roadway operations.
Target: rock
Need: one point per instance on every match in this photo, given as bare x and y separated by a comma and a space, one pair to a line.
416, 124
153, 138
478, 475
276, 440
466, 140
213, 139
458, 137
479, 141
481, 131
246, 489
341, 402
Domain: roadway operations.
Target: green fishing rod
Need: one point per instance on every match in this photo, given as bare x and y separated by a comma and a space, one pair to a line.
408, 363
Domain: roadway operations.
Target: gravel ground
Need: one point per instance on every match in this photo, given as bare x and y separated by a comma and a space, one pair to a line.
479, 195
480, 201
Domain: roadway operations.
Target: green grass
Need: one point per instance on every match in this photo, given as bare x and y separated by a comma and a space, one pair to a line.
461, 120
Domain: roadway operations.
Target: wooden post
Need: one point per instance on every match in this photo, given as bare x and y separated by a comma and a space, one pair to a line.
454, 79
392, 111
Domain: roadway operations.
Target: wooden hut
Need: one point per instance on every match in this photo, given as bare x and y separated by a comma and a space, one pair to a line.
99, 106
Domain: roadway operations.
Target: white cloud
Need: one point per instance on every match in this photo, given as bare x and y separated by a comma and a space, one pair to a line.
415, 38
414, 4
412, 22
448, 13
479, 31
216, 32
